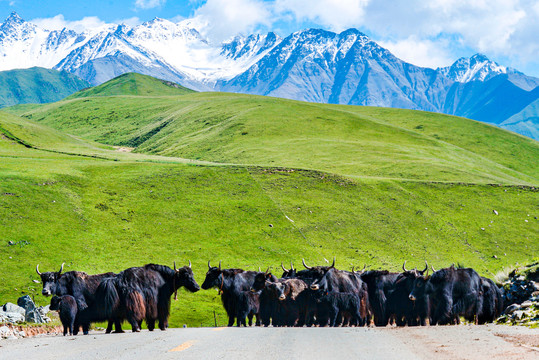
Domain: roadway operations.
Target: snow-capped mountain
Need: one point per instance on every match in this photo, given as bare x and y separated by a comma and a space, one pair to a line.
24, 45
346, 68
158, 47
311, 65
476, 68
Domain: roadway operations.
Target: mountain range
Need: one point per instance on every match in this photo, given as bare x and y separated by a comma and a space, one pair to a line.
311, 65
37, 85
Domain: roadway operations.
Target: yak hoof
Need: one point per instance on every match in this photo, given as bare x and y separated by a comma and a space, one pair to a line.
118, 331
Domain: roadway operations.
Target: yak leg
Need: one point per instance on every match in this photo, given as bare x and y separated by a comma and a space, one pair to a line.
163, 323
241, 319
109, 327
86, 328
333, 313
76, 326
257, 322
134, 325
71, 325
118, 326
151, 324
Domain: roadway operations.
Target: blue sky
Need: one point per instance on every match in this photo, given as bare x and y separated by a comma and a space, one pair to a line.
424, 32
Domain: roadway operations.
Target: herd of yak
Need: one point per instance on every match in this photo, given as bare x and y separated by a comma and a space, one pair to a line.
315, 296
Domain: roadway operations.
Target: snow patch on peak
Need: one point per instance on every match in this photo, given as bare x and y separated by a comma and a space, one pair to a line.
13, 19
476, 68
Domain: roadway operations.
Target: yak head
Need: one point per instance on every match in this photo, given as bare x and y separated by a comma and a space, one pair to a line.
417, 281
321, 280
184, 277
409, 280
278, 290
214, 277
262, 279
288, 273
317, 273
55, 303
50, 280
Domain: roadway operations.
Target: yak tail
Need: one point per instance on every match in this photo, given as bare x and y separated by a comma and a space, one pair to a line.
135, 306
108, 294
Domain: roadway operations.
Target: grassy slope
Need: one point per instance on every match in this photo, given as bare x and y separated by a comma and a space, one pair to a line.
351, 141
37, 85
98, 214
112, 215
133, 84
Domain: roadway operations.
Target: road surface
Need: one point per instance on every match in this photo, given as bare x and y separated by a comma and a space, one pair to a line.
440, 342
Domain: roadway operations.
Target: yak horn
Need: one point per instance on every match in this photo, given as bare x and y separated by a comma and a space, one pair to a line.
189, 264
291, 266
259, 269
306, 267
175, 266
61, 268
404, 266
37, 270
333, 265
326, 260
209, 266
219, 264
284, 269
267, 271
433, 269
426, 267
364, 267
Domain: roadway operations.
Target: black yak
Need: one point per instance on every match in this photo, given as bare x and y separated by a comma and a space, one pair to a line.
143, 293
66, 305
235, 288
83, 288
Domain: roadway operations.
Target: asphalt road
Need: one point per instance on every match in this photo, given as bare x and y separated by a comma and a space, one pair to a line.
437, 342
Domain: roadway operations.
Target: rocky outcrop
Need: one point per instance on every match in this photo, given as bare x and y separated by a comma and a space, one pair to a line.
24, 311
521, 297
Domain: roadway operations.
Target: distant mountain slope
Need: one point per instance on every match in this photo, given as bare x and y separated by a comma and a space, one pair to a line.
37, 85
346, 68
526, 122
351, 141
349, 68
134, 84
310, 65
492, 101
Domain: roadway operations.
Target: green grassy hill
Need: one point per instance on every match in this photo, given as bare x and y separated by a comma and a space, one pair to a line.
37, 85
395, 185
346, 140
133, 84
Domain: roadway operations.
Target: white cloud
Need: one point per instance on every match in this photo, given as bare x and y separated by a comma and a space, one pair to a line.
489, 26
335, 15
149, 4
131, 22
425, 53
226, 18
59, 22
